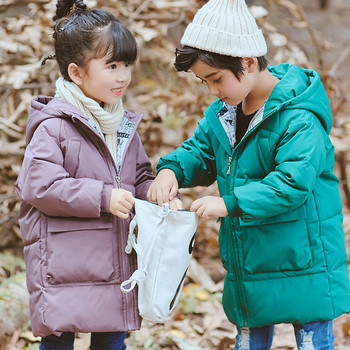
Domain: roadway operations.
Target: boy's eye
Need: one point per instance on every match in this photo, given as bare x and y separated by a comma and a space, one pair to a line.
113, 66
217, 80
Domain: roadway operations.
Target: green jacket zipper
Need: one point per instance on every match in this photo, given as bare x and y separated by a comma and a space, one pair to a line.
236, 263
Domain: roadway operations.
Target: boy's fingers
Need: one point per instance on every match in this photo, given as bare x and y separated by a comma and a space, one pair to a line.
195, 205
159, 197
173, 192
150, 194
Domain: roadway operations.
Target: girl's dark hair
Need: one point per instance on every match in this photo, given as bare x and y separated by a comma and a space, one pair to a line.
188, 55
81, 34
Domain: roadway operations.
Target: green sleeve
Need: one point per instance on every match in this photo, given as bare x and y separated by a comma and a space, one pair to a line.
193, 162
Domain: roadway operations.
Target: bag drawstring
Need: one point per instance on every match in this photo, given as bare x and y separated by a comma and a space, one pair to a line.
138, 276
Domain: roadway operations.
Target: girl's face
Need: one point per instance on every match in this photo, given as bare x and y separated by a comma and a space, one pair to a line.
105, 82
223, 83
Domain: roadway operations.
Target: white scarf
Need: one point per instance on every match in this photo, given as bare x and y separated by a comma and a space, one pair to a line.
107, 120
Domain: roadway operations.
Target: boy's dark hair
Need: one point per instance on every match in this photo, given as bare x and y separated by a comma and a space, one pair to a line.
188, 55
81, 35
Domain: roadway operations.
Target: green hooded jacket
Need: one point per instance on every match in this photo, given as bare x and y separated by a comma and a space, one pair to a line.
282, 243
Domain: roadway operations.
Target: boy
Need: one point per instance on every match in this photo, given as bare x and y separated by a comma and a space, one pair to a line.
265, 140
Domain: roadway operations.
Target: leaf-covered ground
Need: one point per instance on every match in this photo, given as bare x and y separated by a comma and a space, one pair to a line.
172, 104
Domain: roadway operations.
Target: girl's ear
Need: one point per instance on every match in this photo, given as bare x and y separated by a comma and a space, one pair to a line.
250, 64
75, 73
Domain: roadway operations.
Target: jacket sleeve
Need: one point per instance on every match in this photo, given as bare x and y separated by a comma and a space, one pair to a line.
144, 172
299, 159
44, 183
193, 162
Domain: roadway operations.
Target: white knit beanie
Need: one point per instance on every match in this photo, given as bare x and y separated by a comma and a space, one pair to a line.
226, 27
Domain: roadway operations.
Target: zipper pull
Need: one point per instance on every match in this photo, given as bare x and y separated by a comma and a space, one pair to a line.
229, 166
118, 181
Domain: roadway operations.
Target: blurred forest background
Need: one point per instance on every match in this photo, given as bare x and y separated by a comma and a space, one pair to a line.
313, 34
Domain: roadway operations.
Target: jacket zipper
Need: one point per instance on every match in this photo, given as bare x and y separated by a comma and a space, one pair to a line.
228, 171
236, 263
128, 297
118, 180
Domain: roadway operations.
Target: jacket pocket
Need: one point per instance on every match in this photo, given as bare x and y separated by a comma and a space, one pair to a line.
279, 243
79, 250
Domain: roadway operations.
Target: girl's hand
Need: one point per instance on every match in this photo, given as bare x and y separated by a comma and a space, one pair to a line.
121, 202
209, 206
164, 188
175, 204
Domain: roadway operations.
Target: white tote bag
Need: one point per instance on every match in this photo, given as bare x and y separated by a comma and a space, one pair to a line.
163, 244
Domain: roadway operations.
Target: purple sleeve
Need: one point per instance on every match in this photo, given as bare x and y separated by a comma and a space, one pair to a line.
144, 172
45, 184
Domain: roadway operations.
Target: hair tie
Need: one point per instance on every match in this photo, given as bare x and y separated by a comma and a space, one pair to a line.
80, 5
67, 25
49, 57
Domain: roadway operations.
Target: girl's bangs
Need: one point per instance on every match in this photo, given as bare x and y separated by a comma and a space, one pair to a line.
118, 44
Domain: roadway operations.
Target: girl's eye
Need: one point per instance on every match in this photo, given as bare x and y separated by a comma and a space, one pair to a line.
126, 64
217, 80
113, 66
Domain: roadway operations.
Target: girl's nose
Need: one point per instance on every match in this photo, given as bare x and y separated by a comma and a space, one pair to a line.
123, 74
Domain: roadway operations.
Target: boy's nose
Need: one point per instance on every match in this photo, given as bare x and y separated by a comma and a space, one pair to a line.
213, 90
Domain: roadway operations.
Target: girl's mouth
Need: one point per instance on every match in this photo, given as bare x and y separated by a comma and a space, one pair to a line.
117, 92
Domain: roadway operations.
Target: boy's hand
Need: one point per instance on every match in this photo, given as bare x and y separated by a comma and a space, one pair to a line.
209, 206
164, 188
121, 202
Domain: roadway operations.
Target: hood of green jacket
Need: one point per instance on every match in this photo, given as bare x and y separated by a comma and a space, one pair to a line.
299, 89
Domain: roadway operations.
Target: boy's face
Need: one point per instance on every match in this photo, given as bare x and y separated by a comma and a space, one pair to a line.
223, 83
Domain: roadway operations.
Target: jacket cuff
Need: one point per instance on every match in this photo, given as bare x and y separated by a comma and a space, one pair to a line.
232, 205
106, 198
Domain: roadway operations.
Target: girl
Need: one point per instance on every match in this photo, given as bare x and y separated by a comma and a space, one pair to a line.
83, 165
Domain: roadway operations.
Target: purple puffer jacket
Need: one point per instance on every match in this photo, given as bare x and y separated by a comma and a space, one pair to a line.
73, 246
